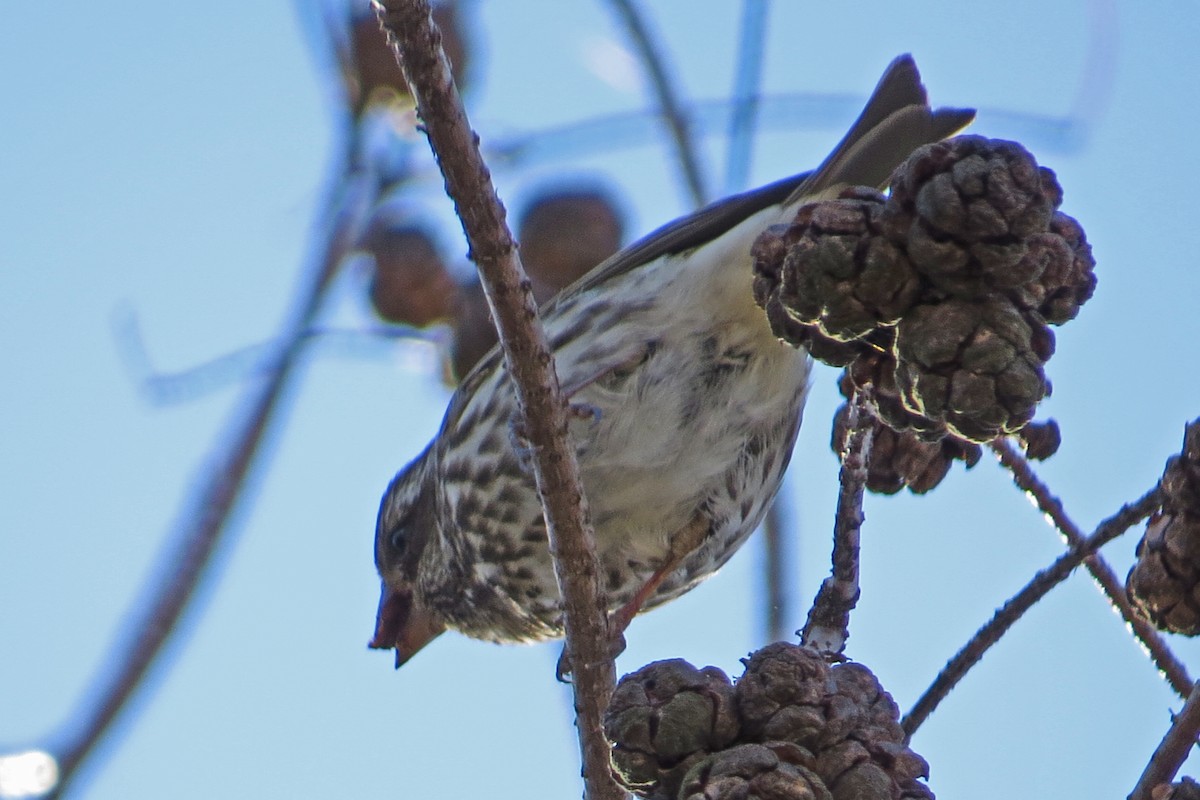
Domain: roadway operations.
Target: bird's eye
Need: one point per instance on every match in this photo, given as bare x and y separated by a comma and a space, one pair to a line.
398, 541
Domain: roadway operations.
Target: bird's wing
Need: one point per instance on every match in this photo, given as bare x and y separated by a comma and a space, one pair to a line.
896, 120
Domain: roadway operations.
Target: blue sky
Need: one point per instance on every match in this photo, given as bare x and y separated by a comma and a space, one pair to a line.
168, 160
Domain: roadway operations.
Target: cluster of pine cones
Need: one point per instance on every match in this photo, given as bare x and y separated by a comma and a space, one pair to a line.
793, 727
937, 298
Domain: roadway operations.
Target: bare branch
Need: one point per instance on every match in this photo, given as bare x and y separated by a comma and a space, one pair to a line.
1114, 588
417, 43
1173, 750
1008, 614
746, 84
775, 600
189, 552
828, 625
668, 101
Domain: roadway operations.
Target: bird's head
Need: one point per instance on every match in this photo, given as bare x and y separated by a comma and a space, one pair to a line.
406, 525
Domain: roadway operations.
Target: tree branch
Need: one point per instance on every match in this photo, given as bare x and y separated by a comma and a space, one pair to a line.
828, 625
745, 93
1173, 750
188, 554
528, 358
1114, 588
668, 101
1008, 614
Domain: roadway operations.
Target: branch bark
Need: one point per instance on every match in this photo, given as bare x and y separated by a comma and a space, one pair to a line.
1114, 588
668, 100
417, 44
204, 530
828, 625
1173, 750
1007, 615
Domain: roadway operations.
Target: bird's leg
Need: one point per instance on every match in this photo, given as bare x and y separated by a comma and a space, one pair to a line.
683, 543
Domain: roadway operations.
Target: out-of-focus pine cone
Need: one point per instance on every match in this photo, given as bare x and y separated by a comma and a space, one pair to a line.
1164, 583
376, 78
473, 333
665, 718
1185, 789
840, 714
564, 233
773, 771
975, 366
410, 284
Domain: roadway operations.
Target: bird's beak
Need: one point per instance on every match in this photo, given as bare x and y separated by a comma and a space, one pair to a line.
404, 624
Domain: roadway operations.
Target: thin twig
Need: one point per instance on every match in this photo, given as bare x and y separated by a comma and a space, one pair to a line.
668, 101
775, 536
1027, 480
248, 361
1008, 614
188, 554
528, 358
746, 81
1173, 750
828, 625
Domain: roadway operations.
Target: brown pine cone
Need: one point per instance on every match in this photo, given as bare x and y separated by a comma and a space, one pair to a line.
376, 78
1164, 583
1181, 478
975, 366
1185, 789
837, 271
1067, 268
564, 233
1040, 439
901, 459
473, 333
963, 210
840, 714
665, 718
937, 297
410, 284
774, 771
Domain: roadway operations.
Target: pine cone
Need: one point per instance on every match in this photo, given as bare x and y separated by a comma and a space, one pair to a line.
1164, 583
937, 297
975, 366
1185, 789
963, 210
839, 714
564, 233
663, 719
773, 771
837, 271
1040, 439
410, 284
1068, 277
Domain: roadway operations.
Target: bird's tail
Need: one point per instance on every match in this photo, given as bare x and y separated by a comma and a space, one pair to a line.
896, 120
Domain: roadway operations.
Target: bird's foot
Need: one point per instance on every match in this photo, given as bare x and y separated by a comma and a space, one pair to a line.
616, 646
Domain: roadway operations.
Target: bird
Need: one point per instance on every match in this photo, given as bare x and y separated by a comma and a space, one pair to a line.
686, 409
